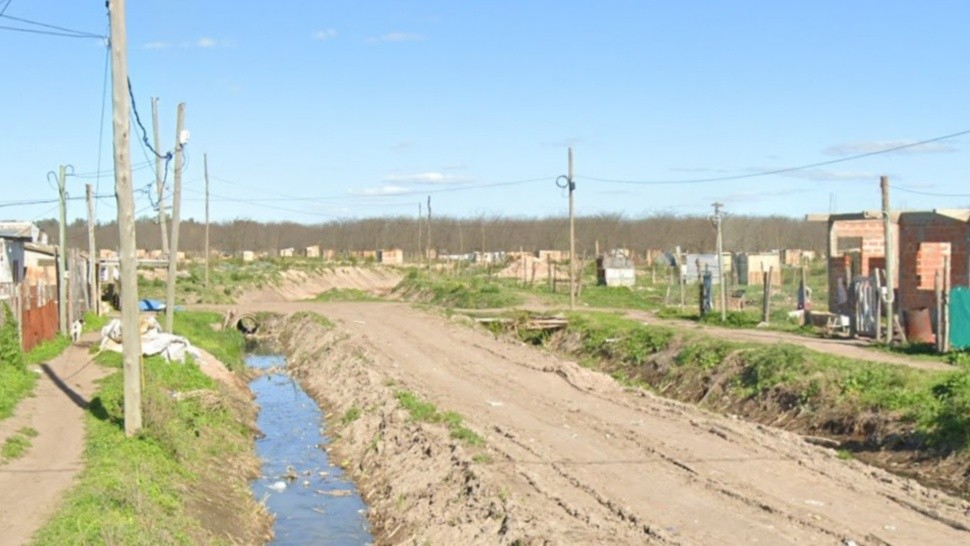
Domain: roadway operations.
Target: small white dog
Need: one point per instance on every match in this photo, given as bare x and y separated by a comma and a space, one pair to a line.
76, 328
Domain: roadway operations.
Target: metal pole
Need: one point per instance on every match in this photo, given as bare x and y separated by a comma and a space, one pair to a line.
62, 274
130, 338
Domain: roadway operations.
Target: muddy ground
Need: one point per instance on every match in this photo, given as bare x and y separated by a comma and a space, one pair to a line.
572, 457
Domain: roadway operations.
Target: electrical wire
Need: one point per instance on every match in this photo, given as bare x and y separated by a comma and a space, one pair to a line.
64, 31
4, 8
104, 100
932, 194
779, 171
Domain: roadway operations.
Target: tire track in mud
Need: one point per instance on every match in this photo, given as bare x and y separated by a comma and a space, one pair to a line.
569, 441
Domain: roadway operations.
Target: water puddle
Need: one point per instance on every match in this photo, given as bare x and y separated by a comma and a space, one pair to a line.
313, 501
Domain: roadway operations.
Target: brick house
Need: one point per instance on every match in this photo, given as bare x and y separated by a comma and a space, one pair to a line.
924, 239
856, 246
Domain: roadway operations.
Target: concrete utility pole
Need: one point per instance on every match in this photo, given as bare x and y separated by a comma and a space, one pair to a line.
159, 178
62, 275
176, 205
93, 295
890, 258
429, 233
720, 259
205, 166
565, 182
130, 338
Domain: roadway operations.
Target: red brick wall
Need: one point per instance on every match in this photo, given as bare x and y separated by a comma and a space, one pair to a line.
921, 256
873, 251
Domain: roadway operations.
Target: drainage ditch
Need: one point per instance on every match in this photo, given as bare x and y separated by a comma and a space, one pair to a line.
313, 500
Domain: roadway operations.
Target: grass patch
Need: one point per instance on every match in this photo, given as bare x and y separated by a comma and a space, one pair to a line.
426, 412
17, 444
47, 350
351, 415
345, 294
315, 317
204, 330
139, 490
16, 381
462, 293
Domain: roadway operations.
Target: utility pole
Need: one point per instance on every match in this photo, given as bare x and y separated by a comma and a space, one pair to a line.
420, 216
890, 258
130, 337
205, 165
159, 178
176, 205
720, 259
565, 182
92, 255
62, 275
429, 234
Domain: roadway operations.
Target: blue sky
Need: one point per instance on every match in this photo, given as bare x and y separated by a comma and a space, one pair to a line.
314, 111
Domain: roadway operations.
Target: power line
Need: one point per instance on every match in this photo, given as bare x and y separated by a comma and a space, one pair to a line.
104, 99
62, 30
4, 8
932, 194
781, 171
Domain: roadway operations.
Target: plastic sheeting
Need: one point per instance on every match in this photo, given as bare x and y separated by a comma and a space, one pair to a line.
959, 317
153, 340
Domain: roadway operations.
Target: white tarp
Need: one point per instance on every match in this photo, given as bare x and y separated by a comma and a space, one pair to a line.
153, 340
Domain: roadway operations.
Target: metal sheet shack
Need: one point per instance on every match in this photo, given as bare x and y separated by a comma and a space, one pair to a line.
615, 268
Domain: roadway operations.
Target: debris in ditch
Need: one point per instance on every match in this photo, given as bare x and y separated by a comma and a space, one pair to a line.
277, 486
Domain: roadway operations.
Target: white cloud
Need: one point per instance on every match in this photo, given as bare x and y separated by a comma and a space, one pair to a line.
388, 189
204, 42
425, 178
325, 34
871, 146
395, 37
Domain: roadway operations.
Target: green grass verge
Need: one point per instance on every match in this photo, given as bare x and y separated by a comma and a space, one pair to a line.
426, 412
457, 292
935, 405
47, 350
135, 490
345, 294
204, 331
16, 381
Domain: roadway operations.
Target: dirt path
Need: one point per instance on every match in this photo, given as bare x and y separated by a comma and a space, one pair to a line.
612, 465
31, 486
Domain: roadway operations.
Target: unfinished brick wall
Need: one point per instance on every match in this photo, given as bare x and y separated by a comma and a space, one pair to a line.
863, 237
925, 238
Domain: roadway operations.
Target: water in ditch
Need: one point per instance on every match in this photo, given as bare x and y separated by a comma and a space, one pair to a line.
314, 502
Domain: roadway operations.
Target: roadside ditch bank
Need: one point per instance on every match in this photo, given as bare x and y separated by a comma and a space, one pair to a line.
184, 478
914, 423
424, 476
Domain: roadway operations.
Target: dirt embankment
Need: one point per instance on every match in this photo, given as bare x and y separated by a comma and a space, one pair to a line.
295, 285
572, 457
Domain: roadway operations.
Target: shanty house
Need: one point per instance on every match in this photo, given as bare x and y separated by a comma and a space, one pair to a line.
615, 269
751, 268
925, 239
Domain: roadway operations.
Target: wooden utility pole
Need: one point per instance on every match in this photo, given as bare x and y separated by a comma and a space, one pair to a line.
176, 205
62, 274
890, 257
159, 178
205, 165
94, 305
130, 338
720, 260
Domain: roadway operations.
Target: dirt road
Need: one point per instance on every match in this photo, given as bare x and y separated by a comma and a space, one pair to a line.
614, 465
31, 485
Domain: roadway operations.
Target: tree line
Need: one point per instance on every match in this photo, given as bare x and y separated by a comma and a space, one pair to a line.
451, 235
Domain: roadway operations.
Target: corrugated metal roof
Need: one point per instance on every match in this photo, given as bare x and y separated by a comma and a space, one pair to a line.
19, 230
